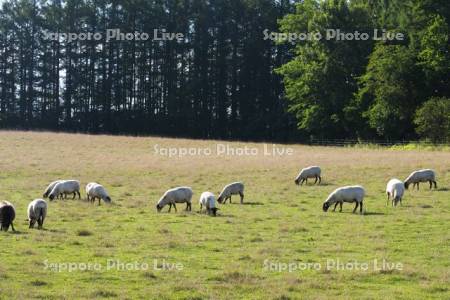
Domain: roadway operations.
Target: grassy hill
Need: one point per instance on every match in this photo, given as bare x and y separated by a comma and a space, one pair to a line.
237, 255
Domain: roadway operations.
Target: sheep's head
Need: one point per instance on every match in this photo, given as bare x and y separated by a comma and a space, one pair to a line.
406, 185
6, 217
158, 207
51, 197
297, 181
325, 206
220, 199
45, 195
214, 211
107, 199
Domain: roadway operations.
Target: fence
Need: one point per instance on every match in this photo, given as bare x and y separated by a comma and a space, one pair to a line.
345, 142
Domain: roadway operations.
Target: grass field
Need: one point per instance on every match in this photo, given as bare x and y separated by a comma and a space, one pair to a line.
223, 257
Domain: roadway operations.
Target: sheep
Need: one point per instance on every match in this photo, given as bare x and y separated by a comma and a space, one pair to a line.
66, 187
395, 189
7, 215
37, 211
207, 199
95, 190
50, 188
346, 194
421, 176
176, 195
231, 189
309, 172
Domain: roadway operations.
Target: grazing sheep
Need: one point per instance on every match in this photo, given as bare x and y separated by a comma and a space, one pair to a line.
88, 187
66, 187
50, 188
309, 172
95, 190
395, 189
37, 211
176, 195
346, 194
421, 176
207, 199
7, 215
231, 189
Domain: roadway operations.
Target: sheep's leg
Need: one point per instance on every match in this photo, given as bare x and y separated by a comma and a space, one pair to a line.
303, 180
99, 200
229, 199
340, 204
170, 206
361, 208
315, 181
335, 206
306, 180
74, 195
31, 224
418, 185
39, 221
242, 197
79, 195
320, 179
356, 206
431, 184
174, 206
387, 202
435, 184
201, 206
88, 199
12, 227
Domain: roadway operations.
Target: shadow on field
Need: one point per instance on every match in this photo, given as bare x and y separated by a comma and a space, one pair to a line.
252, 203
326, 183
18, 232
373, 213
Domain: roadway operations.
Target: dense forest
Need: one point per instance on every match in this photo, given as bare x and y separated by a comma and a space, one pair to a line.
223, 79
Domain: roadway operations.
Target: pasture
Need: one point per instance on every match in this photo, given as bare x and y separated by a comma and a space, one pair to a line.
221, 257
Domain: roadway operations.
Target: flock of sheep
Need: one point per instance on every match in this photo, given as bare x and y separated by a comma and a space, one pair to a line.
355, 194
37, 209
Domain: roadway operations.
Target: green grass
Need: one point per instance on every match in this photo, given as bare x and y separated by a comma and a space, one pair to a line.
222, 257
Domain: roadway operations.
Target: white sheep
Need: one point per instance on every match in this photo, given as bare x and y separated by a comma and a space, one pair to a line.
231, 189
395, 189
7, 215
421, 176
208, 200
95, 190
66, 187
176, 195
88, 187
309, 172
50, 188
37, 211
348, 194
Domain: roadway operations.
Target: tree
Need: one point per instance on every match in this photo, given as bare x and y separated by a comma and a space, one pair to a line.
389, 91
433, 120
322, 77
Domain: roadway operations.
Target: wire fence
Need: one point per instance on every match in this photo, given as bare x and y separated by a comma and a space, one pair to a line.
347, 142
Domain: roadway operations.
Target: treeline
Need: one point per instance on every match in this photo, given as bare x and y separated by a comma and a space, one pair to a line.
223, 79
217, 82
371, 89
